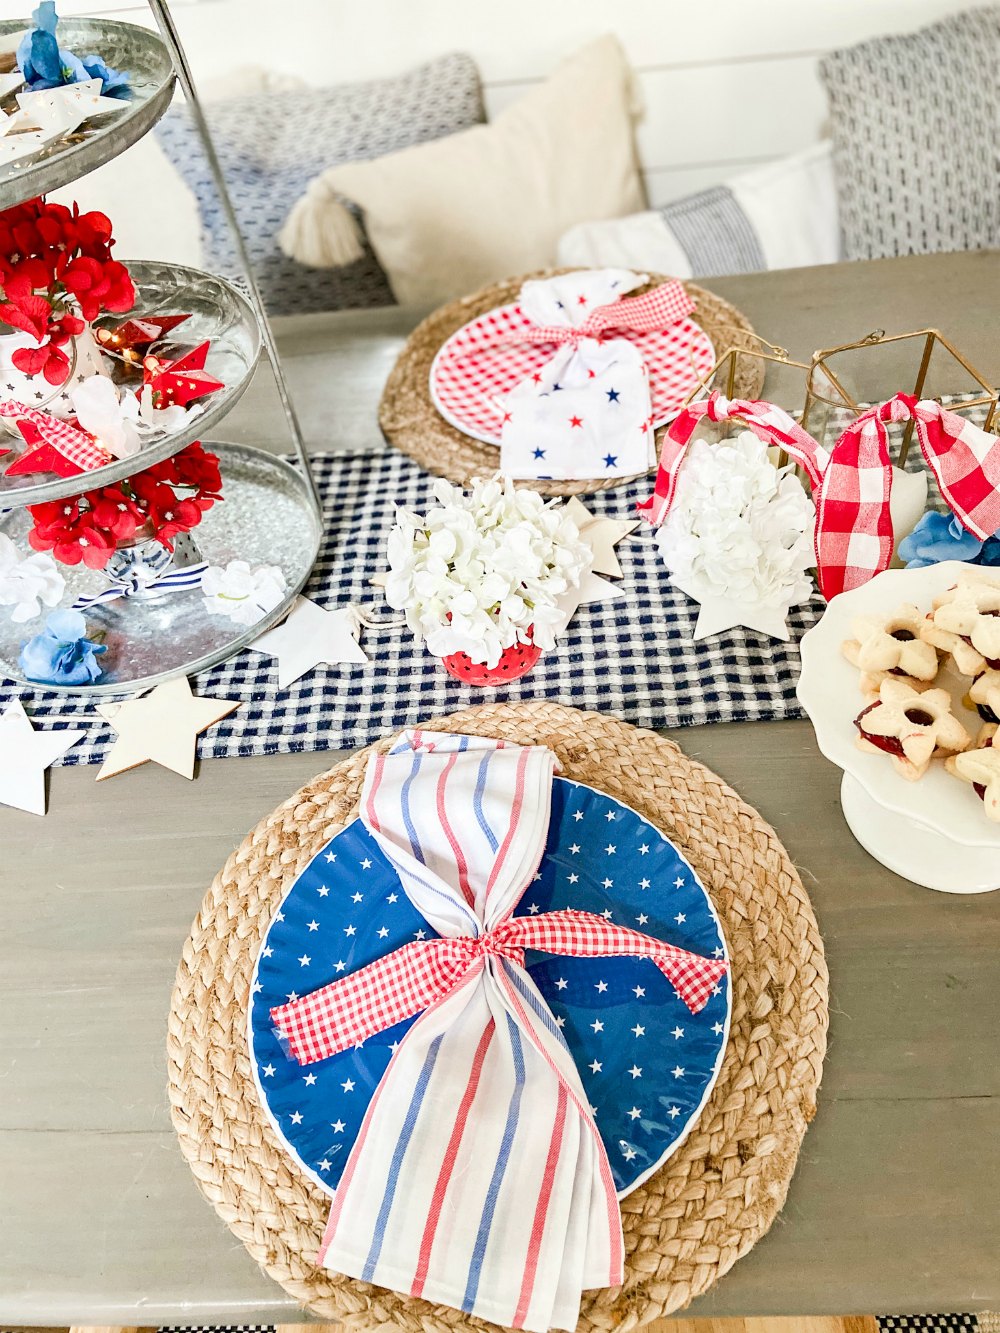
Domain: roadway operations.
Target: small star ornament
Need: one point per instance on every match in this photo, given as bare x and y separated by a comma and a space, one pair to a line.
601, 535
132, 339
310, 636
161, 727
182, 381
25, 754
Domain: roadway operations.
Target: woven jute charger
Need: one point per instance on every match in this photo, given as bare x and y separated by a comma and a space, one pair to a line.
411, 422
691, 1221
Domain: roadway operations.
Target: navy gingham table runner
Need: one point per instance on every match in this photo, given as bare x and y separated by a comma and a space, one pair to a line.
629, 656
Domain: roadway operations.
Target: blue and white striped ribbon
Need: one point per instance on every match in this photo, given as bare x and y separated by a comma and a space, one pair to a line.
175, 580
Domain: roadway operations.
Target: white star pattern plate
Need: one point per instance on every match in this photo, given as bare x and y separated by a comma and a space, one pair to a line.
828, 691
647, 1064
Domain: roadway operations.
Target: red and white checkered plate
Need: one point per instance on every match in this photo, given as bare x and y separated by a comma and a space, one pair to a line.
477, 367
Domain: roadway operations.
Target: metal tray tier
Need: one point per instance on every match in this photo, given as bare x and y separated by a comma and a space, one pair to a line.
220, 313
267, 517
138, 52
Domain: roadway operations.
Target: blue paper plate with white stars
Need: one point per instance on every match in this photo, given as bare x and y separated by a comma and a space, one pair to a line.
646, 1062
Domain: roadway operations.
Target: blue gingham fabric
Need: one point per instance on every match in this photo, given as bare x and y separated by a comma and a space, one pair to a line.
630, 656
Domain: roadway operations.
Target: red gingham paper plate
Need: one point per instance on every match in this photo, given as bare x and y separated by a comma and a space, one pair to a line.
470, 375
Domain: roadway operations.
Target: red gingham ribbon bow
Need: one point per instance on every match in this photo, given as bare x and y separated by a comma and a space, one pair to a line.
657, 309
768, 422
854, 536
75, 444
416, 976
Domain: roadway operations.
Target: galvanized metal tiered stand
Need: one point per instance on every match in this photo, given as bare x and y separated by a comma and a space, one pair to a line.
271, 511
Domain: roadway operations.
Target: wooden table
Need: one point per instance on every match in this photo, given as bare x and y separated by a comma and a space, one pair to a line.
894, 1203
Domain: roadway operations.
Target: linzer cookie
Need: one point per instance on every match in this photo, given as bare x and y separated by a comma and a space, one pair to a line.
985, 695
966, 623
981, 767
889, 646
911, 727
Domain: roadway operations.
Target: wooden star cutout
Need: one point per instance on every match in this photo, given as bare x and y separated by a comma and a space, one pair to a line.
161, 728
25, 754
311, 635
602, 535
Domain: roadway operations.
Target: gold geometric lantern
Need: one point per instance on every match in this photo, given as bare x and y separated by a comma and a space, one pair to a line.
923, 362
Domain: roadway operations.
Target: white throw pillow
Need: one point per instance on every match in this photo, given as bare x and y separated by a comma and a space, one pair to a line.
782, 215
446, 217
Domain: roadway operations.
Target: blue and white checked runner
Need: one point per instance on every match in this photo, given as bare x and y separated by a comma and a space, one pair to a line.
630, 657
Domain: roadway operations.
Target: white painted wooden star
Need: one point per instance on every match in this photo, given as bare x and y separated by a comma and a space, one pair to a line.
310, 636
602, 535
161, 727
25, 754
717, 614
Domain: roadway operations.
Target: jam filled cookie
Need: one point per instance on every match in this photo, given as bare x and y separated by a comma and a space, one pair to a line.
891, 647
985, 695
910, 726
968, 661
981, 767
972, 613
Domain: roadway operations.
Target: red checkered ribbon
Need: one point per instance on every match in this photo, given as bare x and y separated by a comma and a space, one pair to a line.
767, 421
654, 310
854, 537
75, 444
420, 974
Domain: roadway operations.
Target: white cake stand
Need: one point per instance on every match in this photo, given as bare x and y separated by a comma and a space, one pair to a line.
934, 832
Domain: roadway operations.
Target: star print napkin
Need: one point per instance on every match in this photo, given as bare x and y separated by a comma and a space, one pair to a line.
587, 412
481, 1114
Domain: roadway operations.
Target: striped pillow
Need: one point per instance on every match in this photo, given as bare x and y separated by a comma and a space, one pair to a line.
782, 215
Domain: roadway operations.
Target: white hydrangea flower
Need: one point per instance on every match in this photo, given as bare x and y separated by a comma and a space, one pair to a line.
738, 526
241, 593
482, 568
27, 583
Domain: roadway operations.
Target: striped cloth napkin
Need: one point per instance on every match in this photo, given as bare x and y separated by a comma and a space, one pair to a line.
478, 1178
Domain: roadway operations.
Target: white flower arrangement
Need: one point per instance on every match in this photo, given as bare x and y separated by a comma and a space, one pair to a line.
483, 568
240, 593
739, 528
120, 418
27, 582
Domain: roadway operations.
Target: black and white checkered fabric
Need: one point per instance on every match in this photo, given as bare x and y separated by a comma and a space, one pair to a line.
910, 1323
630, 656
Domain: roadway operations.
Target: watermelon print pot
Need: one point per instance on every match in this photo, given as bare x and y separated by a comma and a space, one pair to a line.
515, 662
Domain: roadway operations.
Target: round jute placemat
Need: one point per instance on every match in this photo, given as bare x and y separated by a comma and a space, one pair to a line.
411, 422
691, 1221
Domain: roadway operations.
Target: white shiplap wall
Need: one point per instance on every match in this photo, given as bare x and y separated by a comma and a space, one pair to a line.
727, 83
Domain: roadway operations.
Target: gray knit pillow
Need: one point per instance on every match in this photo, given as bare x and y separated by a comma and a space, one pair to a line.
915, 121
270, 145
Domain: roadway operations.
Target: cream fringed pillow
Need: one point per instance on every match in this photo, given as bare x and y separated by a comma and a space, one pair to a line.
447, 217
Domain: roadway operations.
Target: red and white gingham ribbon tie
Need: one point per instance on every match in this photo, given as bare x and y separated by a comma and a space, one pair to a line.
768, 422
656, 309
854, 537
418, 975
75, 444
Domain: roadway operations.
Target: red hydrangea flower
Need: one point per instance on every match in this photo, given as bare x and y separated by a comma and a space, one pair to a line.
56, 274
70, 533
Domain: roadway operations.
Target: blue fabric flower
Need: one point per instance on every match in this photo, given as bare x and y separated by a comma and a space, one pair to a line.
45, 64
939, 537
62, 654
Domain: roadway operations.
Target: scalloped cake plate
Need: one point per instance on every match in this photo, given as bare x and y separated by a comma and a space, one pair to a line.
942, 834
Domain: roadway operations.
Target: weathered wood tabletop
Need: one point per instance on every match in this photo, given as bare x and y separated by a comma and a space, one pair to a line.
894, 1205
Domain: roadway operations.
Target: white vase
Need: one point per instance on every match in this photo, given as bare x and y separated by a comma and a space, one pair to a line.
907, 504
35, 390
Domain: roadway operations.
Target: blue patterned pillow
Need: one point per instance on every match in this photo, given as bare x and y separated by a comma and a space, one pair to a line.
271, 145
